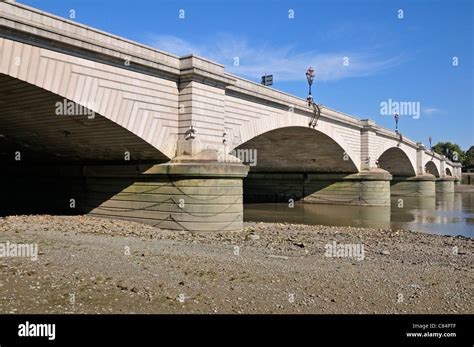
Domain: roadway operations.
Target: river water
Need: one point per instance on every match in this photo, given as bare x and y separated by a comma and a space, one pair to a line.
446, 214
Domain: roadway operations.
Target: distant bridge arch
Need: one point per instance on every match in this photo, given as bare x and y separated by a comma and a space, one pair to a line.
397, 162
299, 148
432, 168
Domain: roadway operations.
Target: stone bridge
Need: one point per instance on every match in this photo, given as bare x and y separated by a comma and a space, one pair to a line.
91, 122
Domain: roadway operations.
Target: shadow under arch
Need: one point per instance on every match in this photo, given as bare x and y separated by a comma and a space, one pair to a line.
396, 161
298, 149
431, 168
29, 124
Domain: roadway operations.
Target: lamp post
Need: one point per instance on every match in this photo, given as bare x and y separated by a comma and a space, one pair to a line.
396, 117
310, 74
429, 139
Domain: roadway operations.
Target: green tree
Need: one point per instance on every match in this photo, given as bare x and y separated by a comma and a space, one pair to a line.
452, 151
469, 160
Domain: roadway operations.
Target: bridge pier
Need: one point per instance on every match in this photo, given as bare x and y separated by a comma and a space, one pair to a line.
178, 195
420, 185
445, 184
366, 188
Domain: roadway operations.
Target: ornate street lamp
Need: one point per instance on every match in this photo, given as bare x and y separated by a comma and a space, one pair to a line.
310, 74
397, 117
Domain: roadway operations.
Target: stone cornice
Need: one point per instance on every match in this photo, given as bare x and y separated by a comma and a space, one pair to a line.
193, 68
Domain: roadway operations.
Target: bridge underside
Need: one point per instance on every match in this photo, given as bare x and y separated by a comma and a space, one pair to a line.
395, 161
29, 125
298, 149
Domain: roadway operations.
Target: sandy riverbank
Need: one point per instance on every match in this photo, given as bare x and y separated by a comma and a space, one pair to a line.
91, 265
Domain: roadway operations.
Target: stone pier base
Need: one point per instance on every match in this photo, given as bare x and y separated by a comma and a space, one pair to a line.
421, 185
177, 196
445, 184
369, 188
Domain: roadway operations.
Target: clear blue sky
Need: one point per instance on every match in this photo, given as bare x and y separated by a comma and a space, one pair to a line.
408, 59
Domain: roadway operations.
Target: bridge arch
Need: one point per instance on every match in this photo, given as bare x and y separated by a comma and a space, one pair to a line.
397, 162
44, 126
299, 149
290, 120
448, 172
432, 168
124, 112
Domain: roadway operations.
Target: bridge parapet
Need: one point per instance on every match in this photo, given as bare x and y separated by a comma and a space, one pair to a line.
17, 18
287, 101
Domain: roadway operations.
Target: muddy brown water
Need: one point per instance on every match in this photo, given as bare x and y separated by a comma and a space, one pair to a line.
445, 214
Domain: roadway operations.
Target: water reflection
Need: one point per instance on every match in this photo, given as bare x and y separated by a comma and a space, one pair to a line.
448, 214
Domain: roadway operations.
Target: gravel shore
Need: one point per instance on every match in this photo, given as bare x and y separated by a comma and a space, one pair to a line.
94, 265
